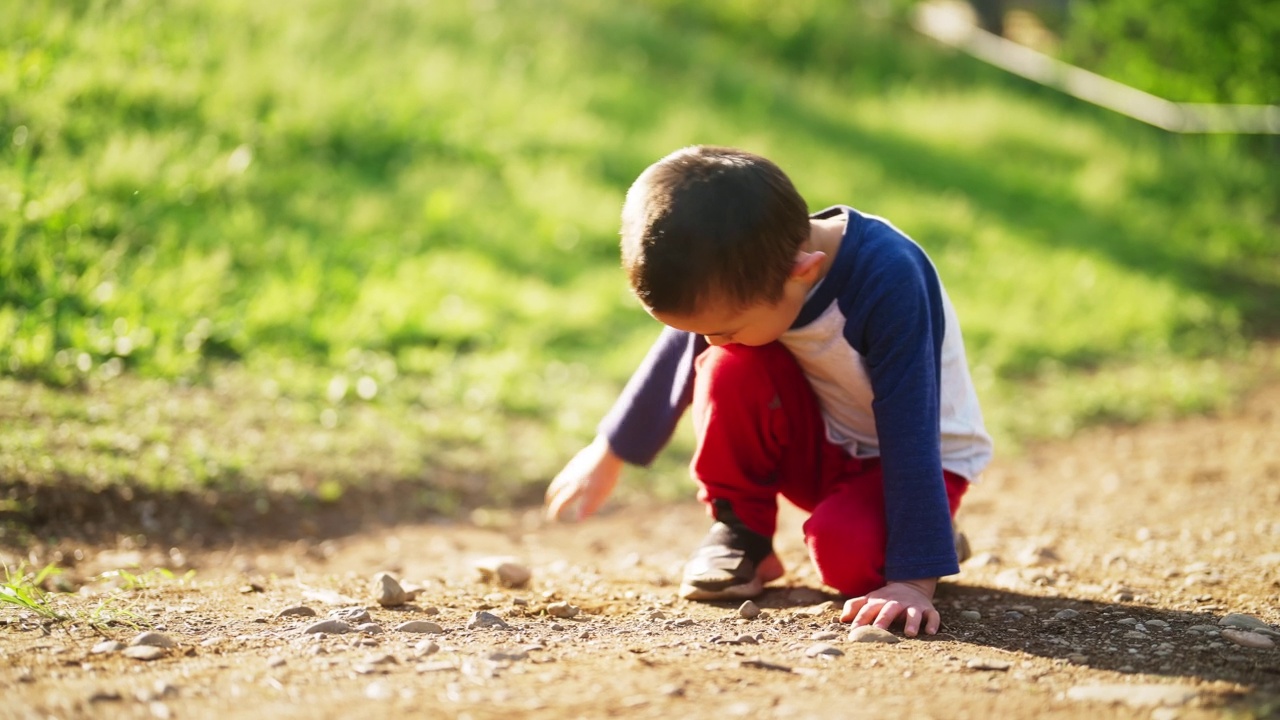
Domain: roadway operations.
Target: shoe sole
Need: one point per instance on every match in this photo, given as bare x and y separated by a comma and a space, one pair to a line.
744, 591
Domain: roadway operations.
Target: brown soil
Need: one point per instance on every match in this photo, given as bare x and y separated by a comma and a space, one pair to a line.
1170, 526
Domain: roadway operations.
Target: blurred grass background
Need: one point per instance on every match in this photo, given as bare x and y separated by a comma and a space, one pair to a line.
292, 249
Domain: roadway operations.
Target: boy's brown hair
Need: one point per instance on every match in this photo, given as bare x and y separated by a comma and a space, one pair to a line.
711, 222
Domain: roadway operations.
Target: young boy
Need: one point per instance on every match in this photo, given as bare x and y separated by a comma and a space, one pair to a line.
823, 363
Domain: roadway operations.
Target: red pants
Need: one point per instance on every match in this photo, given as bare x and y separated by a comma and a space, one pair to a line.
760, 434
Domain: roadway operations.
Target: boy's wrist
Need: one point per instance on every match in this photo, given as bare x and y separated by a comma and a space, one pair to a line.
925, 586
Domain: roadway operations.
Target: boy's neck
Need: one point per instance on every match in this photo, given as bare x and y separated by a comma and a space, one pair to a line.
825, 236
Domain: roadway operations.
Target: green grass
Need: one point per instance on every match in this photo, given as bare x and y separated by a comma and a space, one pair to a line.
23, 589
289, 247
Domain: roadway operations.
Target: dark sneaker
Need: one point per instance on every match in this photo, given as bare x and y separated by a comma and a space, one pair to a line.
724, 567
962, 544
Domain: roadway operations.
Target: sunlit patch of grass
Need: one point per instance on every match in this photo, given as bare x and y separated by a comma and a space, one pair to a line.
377, 247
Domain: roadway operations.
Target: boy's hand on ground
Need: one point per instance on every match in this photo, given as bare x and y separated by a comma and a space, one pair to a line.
911, 600
585, 483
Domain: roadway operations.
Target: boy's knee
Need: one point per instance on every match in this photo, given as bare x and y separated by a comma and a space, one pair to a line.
744, 365
848, 554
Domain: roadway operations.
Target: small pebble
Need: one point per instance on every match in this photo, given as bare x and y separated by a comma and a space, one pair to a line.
369, 628
988, 664
823, 650
508, 655
1249, 639
970, 615
872, 634
1013, 615
563, 610
825, 635
296, 611
817, 610
749, 610
425, 648
482, 619
745, 639
557, 627
387, 590
682, 622
419, 626
275, 661
331, 626
506, 571
107, 646
1067, 614
1243, 622
352, 615
153, 639
1158, 623
144, 652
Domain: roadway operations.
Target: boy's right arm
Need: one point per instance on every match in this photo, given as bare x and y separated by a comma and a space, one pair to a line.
635, 429
585, 483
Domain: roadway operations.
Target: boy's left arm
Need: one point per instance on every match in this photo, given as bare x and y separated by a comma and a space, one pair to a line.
900, 334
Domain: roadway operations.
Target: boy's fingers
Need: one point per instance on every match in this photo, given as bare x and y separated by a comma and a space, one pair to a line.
851, 608
934, 622
888, 614
911, 627
868, 613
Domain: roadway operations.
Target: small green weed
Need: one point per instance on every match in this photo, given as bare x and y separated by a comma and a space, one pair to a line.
148, 579
23, 589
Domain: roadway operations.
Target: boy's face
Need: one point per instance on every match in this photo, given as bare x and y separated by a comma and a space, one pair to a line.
757, 324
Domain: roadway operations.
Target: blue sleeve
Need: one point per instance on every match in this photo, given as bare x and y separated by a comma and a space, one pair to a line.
896, 322
649, 408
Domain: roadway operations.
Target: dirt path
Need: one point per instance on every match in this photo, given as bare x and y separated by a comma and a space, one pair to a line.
1144, 534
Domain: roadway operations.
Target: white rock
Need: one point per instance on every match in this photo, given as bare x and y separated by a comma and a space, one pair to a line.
331, 626
352, 615
419, 626
563, 610
482, 619
749, 610
1133, 695
872, 634
1243, 622
296, 611
154, 639
1246, 638
425, 648
387, 590
1038, 556
817, 610
504, 570
823, 650
144, 652
107, 646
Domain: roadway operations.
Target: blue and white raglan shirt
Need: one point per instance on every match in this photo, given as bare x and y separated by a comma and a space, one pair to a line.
879, 342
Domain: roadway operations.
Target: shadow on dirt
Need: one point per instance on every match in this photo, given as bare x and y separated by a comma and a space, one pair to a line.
1128, 638
71, 511
1125, 638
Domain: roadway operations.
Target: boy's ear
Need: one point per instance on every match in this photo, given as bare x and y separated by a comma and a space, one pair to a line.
807, 265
